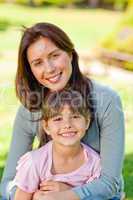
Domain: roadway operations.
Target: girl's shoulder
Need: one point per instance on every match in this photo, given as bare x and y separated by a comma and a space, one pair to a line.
91, 152
42, 152
37, 158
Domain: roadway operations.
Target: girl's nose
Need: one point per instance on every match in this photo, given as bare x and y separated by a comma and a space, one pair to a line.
67, 124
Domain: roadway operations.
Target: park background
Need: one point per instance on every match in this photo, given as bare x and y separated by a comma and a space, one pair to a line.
102, 31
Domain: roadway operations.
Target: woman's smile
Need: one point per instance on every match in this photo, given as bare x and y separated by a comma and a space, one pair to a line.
54, 78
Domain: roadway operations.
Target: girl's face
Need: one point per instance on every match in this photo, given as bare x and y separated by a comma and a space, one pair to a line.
66, 128
50, 65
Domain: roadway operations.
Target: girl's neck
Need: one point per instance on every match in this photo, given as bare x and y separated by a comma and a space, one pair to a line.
66, 152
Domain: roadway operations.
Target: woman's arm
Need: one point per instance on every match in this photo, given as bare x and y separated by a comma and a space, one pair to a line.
22, 139
22, 195
111, 120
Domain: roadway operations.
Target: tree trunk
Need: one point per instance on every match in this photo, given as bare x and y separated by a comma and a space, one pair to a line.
93, 3
31, 3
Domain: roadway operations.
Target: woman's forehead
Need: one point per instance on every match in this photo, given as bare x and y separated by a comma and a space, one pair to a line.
40, 46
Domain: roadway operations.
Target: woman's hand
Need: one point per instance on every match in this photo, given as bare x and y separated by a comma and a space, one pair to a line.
53, 186
64, 195
38, 195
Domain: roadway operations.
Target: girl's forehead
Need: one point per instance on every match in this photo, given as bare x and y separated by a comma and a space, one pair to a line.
66, 109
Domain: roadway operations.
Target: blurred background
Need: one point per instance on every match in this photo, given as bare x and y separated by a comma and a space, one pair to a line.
102, 31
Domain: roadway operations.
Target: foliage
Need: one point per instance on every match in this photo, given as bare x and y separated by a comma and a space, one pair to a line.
116, 4
122, 38
44, 2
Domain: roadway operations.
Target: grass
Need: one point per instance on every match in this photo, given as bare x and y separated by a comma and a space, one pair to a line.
85, 27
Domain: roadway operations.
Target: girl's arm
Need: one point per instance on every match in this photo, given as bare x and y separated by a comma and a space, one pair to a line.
22, 139
22, 195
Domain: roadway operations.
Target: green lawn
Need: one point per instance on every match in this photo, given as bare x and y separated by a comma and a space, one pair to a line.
86, 28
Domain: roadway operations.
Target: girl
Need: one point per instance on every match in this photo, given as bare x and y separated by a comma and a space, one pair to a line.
48, 61
64, 158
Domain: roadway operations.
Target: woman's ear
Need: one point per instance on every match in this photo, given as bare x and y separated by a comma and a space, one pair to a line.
87, 123
71, 56
45, 126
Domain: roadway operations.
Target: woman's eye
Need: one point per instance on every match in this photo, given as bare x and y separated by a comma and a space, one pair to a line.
37, 63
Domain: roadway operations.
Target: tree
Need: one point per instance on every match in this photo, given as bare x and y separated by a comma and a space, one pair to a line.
93, 3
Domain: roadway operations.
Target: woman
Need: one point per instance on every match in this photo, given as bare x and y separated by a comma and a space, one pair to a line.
48, 61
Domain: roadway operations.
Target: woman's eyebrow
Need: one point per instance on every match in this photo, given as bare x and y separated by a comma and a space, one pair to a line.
35, 60
52, 52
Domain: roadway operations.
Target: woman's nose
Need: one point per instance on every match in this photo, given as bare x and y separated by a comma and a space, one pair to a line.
48, 67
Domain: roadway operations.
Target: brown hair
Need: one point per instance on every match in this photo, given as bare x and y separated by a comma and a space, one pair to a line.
54, 103
29, 91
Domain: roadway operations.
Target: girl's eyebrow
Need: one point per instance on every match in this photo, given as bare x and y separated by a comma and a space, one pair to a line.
56, 115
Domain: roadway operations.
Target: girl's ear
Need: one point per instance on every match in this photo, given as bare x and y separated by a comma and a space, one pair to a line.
45, 126
87, 123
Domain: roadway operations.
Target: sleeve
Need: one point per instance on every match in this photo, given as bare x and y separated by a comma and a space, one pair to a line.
22, 139
26, 178
111, 151
96, 172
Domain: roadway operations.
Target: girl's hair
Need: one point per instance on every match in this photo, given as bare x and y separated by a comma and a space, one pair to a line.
54, 103
29, 91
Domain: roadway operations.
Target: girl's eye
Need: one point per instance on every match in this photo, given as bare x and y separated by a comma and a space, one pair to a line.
76, 116
55, 55
57, 119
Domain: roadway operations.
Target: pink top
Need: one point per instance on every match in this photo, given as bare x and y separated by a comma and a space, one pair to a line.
35, 166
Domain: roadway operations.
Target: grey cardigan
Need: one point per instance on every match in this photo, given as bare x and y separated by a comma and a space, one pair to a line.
106, 136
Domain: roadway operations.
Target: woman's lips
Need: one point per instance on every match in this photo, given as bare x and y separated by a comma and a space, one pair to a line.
55, 78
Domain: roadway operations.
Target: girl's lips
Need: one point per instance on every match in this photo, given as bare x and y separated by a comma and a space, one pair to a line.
68, 134
55, 78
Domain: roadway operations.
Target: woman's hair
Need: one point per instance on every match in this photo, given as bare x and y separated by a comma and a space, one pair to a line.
54, 103
29, 91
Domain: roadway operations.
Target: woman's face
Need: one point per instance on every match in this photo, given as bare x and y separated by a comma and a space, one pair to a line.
50, 65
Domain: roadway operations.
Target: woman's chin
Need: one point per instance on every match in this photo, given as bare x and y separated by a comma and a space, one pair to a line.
57, 87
